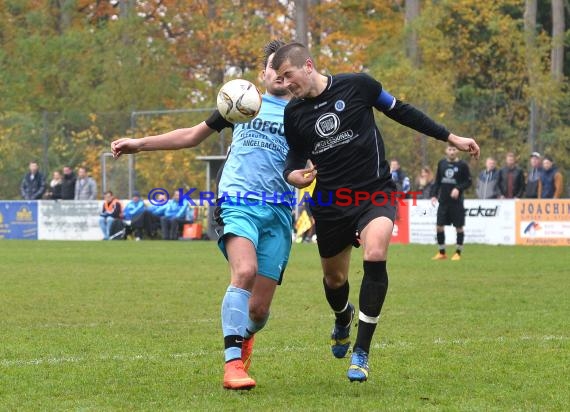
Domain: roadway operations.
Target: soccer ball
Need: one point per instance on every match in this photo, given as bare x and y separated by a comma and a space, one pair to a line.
239, 101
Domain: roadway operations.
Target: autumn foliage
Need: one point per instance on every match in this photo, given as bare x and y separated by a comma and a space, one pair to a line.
76, 74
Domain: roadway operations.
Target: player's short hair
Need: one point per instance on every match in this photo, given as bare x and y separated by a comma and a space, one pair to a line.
271, 48
296, 53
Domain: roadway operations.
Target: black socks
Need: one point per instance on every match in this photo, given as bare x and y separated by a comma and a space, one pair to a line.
372, 294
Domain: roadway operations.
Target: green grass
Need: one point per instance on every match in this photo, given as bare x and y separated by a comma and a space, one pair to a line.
96, 326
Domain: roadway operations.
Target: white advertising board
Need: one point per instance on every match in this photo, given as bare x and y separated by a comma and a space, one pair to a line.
69, 220
486, 221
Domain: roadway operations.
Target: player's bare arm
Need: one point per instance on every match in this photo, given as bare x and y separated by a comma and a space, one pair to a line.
465, 144
173, 140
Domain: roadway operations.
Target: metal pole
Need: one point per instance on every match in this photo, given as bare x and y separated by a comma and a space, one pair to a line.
104, 157
104, 172
131, 157
131, 175
208, 173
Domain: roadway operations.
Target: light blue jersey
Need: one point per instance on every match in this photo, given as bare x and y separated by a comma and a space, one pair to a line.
254, 171
258, 146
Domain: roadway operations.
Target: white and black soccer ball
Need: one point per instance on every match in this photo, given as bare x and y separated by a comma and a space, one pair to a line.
239, 101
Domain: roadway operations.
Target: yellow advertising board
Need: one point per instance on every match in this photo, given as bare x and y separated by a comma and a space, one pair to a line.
542, 222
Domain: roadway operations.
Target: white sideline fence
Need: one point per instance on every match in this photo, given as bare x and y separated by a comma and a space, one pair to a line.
494, 222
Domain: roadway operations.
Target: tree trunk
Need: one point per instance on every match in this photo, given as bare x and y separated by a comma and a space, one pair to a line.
127, 8
65, 12
412, 49
530, 42
217, 71
302, 22
412, 12
557, 53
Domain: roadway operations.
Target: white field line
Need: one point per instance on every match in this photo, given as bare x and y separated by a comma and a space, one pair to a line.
272, 350
63, 325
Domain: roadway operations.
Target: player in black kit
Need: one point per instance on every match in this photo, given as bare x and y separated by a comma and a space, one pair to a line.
330, 121
451, 180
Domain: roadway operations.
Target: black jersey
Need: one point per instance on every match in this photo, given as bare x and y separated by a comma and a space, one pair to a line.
337, 132
451, 175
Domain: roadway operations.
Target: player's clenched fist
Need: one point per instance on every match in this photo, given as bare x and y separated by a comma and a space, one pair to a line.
124, 145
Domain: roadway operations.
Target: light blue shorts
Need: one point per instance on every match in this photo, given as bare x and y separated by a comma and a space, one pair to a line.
268, 227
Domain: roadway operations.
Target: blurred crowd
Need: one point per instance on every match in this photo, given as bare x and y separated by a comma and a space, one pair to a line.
540, 179
65, 184
136, 218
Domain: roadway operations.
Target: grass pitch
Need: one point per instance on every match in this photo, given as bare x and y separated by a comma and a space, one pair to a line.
99, 326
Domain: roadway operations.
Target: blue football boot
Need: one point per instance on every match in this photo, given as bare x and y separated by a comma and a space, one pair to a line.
340, 337
358, 369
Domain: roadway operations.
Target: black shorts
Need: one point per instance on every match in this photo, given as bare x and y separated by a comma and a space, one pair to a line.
333, 236
451, 214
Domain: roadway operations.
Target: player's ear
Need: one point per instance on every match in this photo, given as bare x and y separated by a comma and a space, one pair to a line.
309, 66
261, 75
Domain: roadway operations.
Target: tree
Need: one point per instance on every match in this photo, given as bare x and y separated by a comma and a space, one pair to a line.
557, 56
412, 13
73, 71
555, 138
302, 21
531, 64
56, 71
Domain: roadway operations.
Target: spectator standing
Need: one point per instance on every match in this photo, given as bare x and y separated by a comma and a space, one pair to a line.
551, 180
33, 184
400, 178
85, 186
424, 182
533, 185
68, 184
511, 179
487, 181
54, 190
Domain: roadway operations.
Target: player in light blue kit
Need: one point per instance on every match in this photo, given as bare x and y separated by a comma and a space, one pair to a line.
256, 238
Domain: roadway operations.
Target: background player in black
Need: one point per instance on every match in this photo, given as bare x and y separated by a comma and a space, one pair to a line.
451, 180
331, 122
